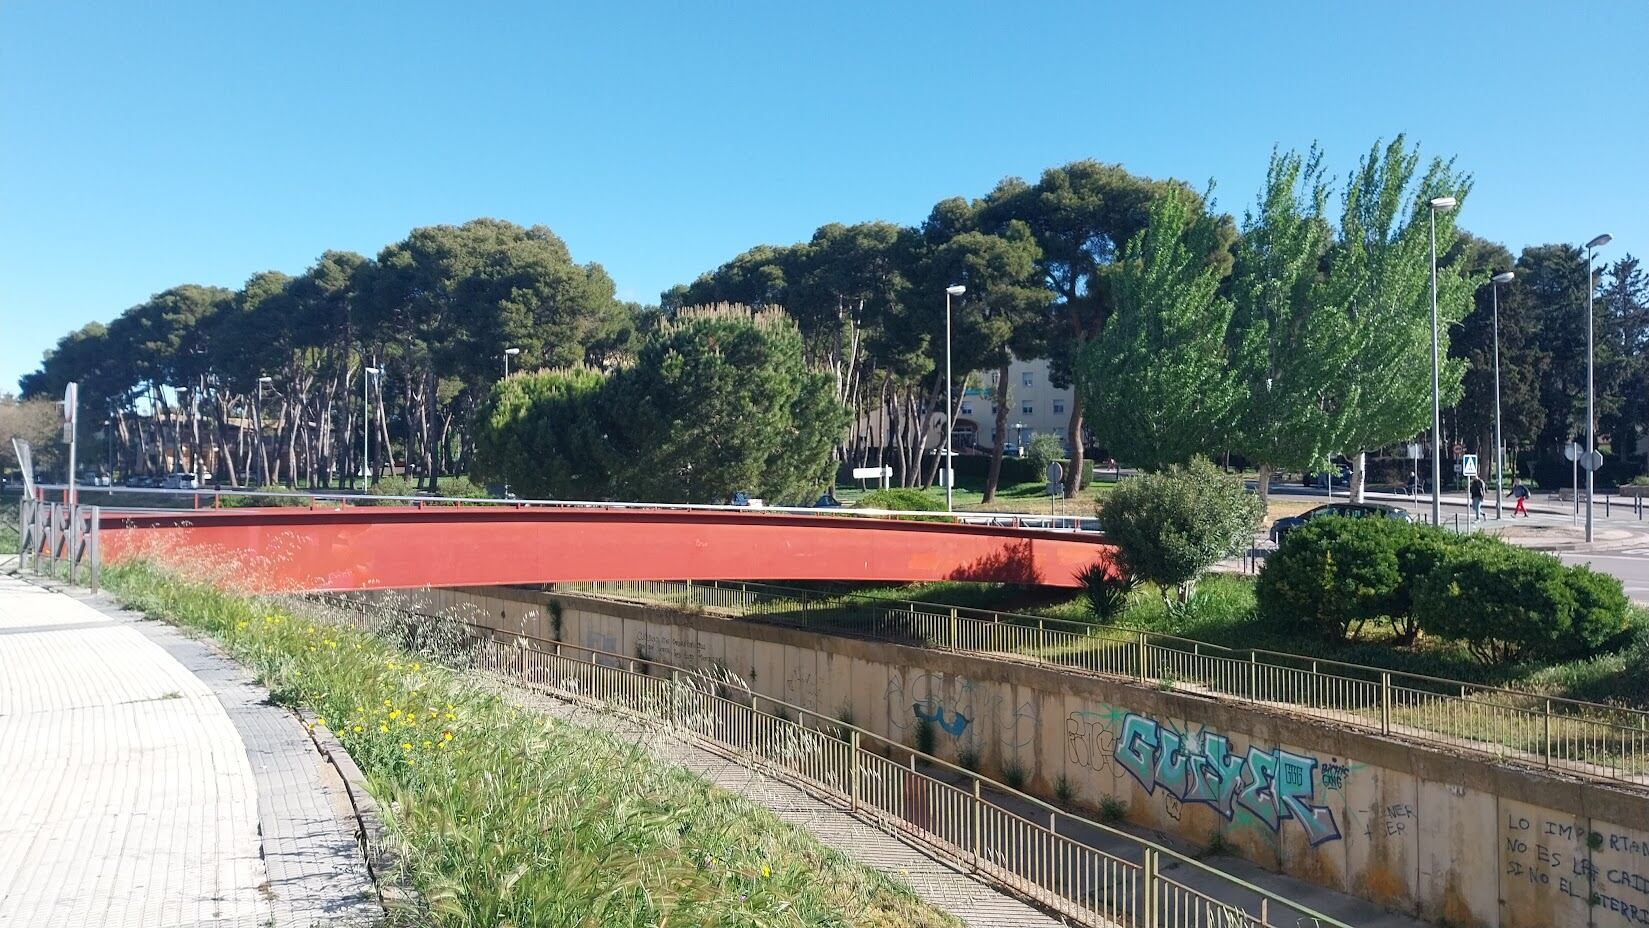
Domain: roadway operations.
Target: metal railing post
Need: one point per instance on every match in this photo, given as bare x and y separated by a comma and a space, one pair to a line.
1546, 734
953, 641
853, 769
1144, 655
978, 824
74, 544
1253, 675
1385, 701
1148, 879
96, 546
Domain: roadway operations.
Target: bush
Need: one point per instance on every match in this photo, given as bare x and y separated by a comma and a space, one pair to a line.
392, 485
1602, 613
903, 498
1107, 590
1503, 603
1172, 525
1333, 575
460, 488
1044, 450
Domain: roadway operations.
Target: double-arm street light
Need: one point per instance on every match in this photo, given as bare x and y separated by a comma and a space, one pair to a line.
1437, 204
946, 474
1505, 277
1591, 392
509, 353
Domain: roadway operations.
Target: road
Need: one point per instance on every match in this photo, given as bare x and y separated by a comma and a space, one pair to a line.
1631, 566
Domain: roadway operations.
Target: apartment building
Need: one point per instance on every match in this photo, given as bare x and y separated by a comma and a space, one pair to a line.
1035, 406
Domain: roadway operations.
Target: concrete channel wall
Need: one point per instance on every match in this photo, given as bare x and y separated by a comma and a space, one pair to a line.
1452, 838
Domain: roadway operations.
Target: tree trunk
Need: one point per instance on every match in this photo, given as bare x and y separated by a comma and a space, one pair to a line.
1265, 490
1359, 471
1000, 395
1073, 480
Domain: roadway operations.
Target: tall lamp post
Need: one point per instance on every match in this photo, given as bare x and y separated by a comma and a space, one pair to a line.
367, 373
947, 474
509, 353
1591, 391
1505, 277
1436, 204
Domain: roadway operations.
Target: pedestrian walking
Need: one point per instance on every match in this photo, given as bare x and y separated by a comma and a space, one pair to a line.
1520, 493
1476, 490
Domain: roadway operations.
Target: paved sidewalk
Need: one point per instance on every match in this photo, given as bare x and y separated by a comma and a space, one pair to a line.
149, 783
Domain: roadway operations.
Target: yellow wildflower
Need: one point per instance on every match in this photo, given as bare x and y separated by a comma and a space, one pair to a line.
406, 745
766, 872
383, 727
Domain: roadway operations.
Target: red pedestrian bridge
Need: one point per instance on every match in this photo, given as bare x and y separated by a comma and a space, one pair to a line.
409, 546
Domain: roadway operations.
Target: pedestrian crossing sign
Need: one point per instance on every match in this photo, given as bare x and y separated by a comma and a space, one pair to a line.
1468, 465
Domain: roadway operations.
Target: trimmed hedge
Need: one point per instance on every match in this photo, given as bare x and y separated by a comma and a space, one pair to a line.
1503, 603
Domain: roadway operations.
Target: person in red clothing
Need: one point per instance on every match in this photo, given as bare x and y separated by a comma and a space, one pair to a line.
1520, 493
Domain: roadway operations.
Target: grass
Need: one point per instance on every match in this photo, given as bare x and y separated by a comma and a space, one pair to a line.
1025, 498
505, 816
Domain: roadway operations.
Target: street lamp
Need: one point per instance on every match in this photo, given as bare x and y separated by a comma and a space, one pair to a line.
1591, 392
1505, 277
1445, 204
367, 373
950, 397
509, 353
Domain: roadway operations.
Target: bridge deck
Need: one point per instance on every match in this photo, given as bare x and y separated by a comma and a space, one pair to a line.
351, 548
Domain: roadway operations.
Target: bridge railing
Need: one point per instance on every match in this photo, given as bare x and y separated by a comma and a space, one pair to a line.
54, 537
1595, 740
1008, 836
145, 499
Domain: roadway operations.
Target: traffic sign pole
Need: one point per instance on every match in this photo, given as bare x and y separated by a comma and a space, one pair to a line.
71, 413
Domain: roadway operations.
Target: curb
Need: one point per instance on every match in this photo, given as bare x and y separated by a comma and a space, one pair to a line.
372, 836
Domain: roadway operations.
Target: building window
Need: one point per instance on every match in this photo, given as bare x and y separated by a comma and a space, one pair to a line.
1028, 377
1059, 407
967, 409
1027, 408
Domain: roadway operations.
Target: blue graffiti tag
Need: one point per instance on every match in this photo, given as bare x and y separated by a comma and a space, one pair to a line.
936, 714
1273, 785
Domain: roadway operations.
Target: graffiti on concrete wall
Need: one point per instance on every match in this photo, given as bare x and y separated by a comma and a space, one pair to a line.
964, 711
1274, 786
801, 687
1091, 736
1560, 853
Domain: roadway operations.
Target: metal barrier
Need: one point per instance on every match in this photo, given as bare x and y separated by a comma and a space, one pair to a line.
1590, 739
60, 536
213, 498
996, 831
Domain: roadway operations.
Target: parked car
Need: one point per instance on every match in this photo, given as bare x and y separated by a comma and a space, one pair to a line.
1281, 527
180, 481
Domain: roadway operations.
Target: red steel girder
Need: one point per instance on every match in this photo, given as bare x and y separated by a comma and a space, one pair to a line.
399, 547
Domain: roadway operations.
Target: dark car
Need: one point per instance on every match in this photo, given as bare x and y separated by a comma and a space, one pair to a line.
1281, 527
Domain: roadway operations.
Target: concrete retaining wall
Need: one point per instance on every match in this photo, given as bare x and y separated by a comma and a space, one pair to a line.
1455, 839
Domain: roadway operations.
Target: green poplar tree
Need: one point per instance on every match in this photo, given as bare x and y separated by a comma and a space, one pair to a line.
1158, 378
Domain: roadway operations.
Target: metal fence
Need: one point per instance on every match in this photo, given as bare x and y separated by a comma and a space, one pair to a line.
1005, 836
54, 536
1590, 739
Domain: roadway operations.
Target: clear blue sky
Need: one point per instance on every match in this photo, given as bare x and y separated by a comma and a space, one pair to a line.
147, 145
